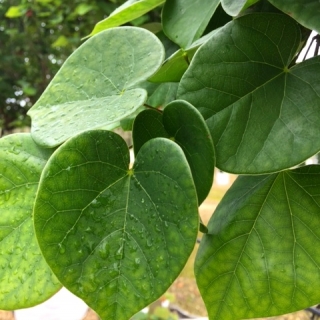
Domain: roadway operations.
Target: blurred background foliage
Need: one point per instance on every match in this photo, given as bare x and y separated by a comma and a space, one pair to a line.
36, 36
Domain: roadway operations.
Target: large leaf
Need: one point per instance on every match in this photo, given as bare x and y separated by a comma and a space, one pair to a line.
306, 12
130, 10
26, 279
261, 257
185, 20
185, 125
97, 85
116, 237
263, 115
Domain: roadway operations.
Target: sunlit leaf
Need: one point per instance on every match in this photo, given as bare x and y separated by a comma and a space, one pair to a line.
130, 10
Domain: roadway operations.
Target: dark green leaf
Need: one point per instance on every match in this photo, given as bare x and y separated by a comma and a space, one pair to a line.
114, 236
261, 257
185, 125
97, 85
254, 104
26, 279
185, 20
306, 12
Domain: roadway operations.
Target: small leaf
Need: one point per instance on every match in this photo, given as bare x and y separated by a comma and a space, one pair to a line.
97, 85
26, 279
185, 20
114, 228
253, 102
185, 125
176, 65
130, 10
306, 12
259, 258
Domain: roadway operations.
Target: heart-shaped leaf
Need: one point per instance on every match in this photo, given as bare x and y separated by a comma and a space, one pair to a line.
253, 102
26, 279
185, 125
97, 85
185, 20
130, 10
114, 236
305, 12
261, 257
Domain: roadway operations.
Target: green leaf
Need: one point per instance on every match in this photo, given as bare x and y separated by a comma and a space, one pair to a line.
97, 85
26, 279
185, 20
114, 227
260, 258
253, 102
185, 125
83, 8
306, 12
234, 7
130, 10
165, 93
176, 65
15, 11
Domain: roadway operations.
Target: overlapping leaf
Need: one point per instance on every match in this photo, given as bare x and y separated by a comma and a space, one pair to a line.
306, 12
176, 65
108, 232
234, 7
185, 125
185, 20
261, 258
97, 85
262, 114
26, 279
130, 10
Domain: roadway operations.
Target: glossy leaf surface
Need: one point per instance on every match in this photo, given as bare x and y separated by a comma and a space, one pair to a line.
130, 10
26, 279
107, 231
185, 20
306, 12
185, 125
254, 104
97, 85
260, 258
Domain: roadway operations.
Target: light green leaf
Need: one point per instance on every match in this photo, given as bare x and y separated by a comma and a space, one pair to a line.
260, 257
130, 10
176, 65
114, 227
165, 93
97, 85
15, 11
182, 123
185, 20
306, 12
253, 102
26, 279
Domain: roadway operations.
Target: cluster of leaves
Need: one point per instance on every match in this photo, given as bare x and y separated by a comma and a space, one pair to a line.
75, 213
36, 37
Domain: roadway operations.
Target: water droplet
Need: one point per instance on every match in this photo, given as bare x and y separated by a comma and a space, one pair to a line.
95, 203
142, 200
104, 250
137, 261
119, 253
149, 242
